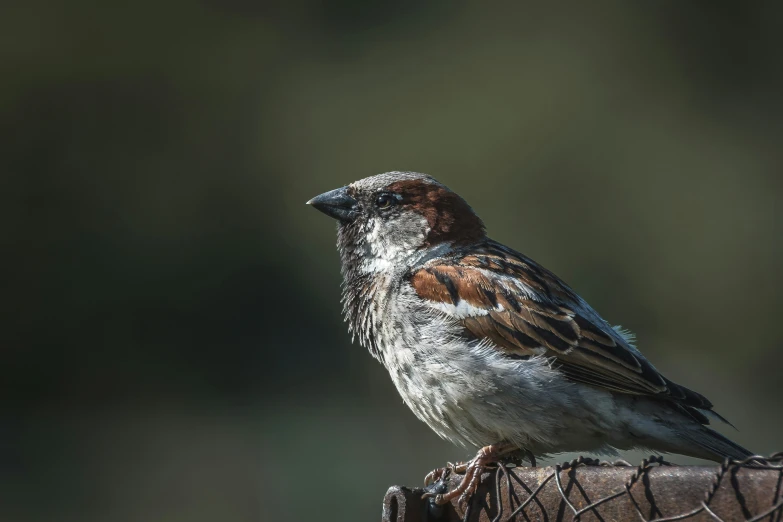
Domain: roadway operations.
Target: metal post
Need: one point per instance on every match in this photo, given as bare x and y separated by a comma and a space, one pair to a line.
586, 490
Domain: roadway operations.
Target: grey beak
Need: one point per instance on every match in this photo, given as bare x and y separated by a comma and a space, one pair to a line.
336, 203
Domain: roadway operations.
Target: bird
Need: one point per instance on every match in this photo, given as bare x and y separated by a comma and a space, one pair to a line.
490, 349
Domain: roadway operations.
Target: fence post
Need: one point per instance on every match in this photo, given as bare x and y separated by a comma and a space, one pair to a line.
588, 490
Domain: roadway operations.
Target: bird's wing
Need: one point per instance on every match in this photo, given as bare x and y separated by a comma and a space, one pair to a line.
524, 310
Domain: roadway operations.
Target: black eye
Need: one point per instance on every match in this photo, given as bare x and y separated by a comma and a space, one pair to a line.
385, 201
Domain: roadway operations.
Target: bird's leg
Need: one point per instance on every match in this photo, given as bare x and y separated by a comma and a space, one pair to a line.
530, 457
473, 470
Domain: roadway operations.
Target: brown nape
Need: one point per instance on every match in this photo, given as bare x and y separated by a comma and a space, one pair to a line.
450, 217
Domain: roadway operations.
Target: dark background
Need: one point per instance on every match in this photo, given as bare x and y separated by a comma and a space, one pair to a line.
172, 345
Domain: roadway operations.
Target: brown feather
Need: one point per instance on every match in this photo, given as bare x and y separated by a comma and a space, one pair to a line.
519, 326
449, 216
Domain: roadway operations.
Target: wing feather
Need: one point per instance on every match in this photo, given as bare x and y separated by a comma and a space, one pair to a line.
525, 310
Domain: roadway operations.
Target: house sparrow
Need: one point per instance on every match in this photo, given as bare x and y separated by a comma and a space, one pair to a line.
490, 349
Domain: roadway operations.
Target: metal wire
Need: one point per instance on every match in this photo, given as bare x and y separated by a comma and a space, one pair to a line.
507, 474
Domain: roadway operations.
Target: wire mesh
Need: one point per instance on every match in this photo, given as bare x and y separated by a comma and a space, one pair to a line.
747, 490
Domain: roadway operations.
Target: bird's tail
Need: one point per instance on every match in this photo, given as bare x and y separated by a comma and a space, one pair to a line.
709, 444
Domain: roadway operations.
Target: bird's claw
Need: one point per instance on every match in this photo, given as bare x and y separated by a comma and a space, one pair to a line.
486, 456
436, 475
443, 473
439, 493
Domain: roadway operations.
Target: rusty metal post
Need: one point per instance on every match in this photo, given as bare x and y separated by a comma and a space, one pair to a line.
750, 490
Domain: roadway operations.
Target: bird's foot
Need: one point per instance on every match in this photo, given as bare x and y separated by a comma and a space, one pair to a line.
443, 473
485, 457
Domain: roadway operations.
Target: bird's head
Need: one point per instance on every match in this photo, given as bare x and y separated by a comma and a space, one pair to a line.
393, 220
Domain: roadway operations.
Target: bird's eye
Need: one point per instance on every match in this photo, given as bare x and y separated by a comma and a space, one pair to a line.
385, 201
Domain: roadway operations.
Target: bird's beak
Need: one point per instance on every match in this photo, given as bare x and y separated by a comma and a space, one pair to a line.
336, 203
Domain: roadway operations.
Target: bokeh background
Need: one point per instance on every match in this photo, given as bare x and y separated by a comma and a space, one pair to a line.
172, 343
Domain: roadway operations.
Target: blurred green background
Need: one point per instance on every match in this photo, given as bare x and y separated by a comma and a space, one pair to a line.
173, 347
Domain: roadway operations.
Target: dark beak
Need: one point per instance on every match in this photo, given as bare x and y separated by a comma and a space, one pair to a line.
336, 203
